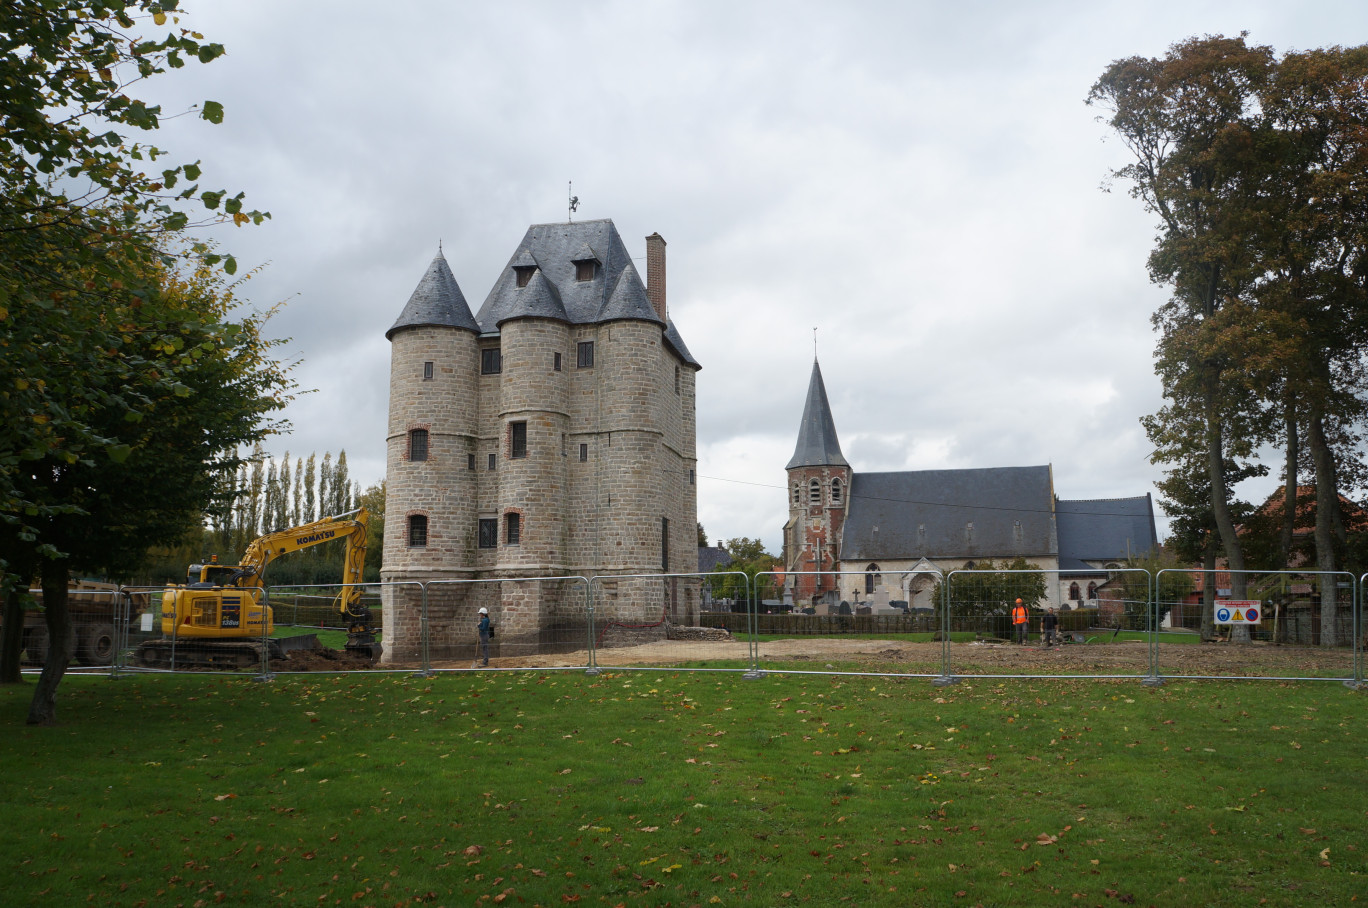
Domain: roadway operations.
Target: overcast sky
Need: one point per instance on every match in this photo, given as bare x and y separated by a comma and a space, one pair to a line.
920, 181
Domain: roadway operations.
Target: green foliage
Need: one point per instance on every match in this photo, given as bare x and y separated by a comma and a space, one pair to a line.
1255, 167
90, 343
123, 380
807, 788
987, 589
749, 557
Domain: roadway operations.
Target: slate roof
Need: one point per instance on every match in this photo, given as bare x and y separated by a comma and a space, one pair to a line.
615, 292
1104, 529
710, 556
817, 441
927, 512
436, 301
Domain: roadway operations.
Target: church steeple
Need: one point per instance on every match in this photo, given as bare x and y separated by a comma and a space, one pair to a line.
817, 441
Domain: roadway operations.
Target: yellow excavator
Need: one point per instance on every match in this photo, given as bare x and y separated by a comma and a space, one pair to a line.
217, 619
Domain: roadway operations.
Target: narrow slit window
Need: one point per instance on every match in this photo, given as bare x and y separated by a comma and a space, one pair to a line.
584, 452
418, 444
557, 363
417, 530
513, 529
517, 439
427, 371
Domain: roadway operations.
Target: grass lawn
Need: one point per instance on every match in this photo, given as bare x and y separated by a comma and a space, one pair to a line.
671, 788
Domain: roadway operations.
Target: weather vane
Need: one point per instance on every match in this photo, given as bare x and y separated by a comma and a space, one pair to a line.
574, 201
814, 345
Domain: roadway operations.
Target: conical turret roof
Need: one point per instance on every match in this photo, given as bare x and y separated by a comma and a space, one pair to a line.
436, 301
817, 441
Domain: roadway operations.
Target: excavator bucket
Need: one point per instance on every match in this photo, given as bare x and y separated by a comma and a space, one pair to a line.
304, 642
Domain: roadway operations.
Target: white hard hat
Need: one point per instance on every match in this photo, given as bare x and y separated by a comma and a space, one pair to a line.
484, 611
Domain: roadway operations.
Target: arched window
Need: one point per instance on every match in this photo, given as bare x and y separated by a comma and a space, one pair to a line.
417, 530
1073, 591
872, 578
814, 492
835, 491
1092, 590
418, 444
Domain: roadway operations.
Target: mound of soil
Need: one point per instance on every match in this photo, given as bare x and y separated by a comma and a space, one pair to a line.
321, 660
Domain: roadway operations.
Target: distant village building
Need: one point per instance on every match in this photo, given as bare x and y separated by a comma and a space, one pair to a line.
550, 434
883, 524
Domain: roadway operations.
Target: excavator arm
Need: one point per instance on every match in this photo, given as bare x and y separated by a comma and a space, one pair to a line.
350, 526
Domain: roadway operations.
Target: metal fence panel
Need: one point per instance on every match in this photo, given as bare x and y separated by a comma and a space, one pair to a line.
1305, 628
841, 629
96, 614
541, 622
655, 620
1105, 633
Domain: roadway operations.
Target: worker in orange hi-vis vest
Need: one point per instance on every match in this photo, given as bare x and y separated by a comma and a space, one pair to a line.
1019, 621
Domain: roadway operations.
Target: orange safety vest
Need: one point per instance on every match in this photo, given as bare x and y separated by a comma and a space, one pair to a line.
1018, 615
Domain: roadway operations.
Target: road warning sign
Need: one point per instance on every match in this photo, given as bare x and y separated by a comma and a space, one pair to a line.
1238, 611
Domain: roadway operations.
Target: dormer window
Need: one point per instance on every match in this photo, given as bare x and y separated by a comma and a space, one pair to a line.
524, 273
585, 260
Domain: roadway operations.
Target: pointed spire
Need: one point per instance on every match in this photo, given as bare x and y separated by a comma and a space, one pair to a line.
436, 301
817, 441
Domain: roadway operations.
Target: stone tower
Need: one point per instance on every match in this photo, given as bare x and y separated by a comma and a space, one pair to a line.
819, 493
556, 434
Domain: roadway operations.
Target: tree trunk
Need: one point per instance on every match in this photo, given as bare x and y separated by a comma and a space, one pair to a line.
11, 637
61, 643
1289, 523
1209, 588
1220, 510
1327, 505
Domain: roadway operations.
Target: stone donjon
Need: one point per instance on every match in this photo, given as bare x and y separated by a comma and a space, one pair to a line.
550, 434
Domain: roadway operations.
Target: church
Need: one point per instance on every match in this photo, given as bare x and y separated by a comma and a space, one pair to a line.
879, 525
549, 434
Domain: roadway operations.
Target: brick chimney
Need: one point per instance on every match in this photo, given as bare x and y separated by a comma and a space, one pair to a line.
655, 274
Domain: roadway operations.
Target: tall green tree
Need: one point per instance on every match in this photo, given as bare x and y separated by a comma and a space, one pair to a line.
1256, 166
185, 439
1188, 120
90, 344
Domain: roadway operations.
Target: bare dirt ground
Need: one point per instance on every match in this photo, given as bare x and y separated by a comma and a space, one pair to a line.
864, 654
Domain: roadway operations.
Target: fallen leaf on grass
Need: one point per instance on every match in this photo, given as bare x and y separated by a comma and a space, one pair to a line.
473, 850
224, 797
1046, 839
